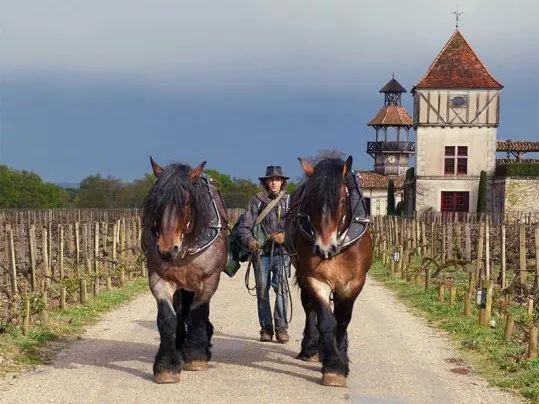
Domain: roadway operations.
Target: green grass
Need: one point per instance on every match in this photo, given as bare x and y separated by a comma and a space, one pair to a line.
18, 352
501, 363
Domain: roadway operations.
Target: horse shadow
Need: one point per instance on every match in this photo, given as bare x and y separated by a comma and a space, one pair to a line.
136, 358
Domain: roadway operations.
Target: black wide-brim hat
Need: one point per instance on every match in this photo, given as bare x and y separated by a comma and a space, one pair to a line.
273, 171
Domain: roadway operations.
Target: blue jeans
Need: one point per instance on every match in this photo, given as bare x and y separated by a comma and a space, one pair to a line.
276, 277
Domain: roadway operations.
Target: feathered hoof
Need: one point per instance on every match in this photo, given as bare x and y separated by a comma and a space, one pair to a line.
166, 377
334, 380
314, 358
195, 366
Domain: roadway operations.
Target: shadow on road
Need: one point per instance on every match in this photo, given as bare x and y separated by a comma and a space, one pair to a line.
137, 358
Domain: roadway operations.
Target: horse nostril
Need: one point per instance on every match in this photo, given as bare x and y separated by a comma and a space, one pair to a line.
176, 249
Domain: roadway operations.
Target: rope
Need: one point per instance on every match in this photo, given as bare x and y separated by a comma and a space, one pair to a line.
247, 274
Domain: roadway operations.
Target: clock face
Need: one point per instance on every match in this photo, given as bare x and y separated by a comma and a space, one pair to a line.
391, 159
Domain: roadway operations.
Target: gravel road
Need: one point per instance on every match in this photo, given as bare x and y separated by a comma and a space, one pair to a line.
396, 358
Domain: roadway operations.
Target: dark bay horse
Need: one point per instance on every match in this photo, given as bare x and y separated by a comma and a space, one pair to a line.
184, 238
326, 268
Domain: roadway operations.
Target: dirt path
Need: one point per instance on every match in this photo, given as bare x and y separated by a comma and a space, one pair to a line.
396, 358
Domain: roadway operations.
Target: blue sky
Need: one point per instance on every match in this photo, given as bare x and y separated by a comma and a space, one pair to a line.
97, 87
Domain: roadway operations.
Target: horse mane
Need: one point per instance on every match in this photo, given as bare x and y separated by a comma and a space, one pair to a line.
174, 187
322, 188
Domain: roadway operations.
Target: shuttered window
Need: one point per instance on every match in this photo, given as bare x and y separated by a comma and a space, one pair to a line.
455, 202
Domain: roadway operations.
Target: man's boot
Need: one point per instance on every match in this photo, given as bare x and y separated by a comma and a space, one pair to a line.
265, 335
282, 336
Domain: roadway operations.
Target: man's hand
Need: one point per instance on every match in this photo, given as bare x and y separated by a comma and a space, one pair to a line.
253, 245
278, 238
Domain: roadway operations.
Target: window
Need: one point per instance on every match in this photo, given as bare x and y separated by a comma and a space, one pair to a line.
455, 201
368, 206
456, 157
458, 100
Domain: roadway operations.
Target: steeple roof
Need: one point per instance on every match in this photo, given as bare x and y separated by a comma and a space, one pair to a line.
458, 66
393, 86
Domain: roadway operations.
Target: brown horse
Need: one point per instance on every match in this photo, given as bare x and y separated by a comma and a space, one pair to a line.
326, 268
184, 238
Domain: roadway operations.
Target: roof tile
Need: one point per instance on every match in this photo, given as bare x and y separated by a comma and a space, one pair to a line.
371, 179
391, 115
458, 66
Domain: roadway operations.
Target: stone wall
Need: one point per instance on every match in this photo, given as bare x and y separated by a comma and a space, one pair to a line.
514, 196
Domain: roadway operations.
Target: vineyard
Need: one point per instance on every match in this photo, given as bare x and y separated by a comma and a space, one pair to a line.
490, 270
55, 258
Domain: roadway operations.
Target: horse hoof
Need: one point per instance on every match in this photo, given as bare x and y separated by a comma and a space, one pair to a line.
166, 377
333, 379
194, 366
314, 358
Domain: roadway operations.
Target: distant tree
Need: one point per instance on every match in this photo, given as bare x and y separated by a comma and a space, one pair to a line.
71, 196
390, 197
291, 187
138, 190
224, 181
25, 189
98, 192
482, 193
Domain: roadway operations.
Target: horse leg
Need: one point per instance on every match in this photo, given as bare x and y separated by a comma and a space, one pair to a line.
334, 368
168, 362
182, 304
310, 344
199, 332
343, 315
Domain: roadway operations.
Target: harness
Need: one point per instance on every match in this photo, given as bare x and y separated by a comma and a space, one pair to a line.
348, 235
209, 234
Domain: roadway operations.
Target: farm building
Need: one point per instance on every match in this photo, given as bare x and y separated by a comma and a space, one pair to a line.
456, 117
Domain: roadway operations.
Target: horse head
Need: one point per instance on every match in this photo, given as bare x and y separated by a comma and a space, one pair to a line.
172, 210
325, 202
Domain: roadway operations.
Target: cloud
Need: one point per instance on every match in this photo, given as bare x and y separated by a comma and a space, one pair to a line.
239, 42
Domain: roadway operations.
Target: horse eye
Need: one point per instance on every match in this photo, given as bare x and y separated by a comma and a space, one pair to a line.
155, 230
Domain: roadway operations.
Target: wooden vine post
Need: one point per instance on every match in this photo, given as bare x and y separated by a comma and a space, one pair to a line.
32, 251
522, 253
12, 264
122, 250
61, 269
96, 259
532, 344
486, 313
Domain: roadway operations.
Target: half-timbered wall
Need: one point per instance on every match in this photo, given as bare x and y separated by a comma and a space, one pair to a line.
456, 107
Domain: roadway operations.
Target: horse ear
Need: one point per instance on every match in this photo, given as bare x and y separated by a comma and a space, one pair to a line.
196, 172
157, 170
307, 166
347, 166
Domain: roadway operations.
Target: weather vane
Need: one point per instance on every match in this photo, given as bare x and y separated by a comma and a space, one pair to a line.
457, 15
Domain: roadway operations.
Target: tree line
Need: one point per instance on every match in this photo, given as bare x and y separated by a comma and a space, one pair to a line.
25, 189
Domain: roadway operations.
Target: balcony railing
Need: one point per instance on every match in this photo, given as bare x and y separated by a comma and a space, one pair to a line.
391, 147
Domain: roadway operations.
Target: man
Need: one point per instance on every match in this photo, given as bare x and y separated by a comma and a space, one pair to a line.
271, 264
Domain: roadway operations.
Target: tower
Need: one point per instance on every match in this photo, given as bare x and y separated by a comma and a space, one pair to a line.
456, 115
392, 125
